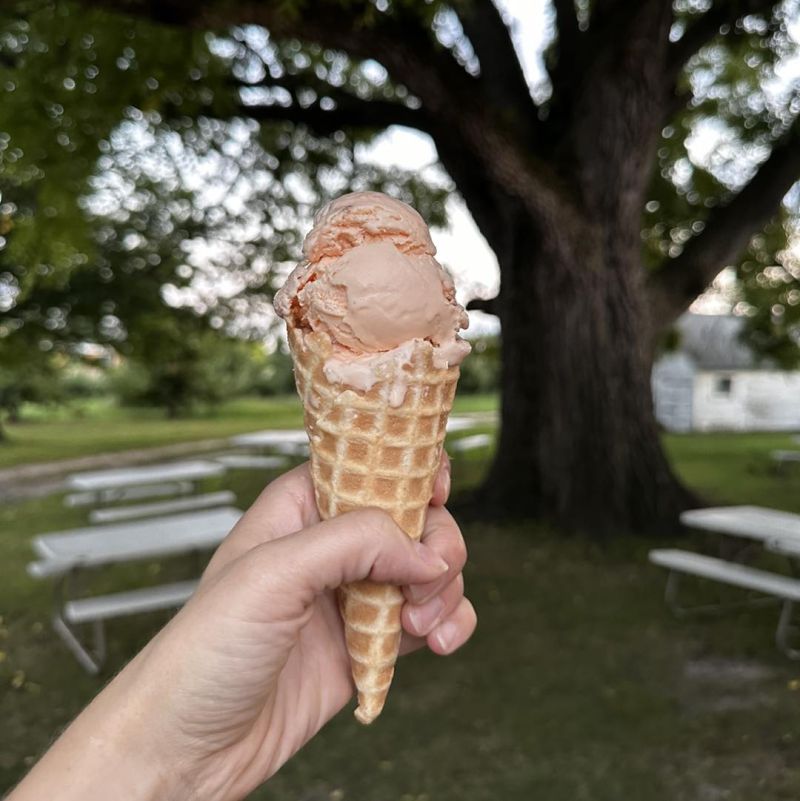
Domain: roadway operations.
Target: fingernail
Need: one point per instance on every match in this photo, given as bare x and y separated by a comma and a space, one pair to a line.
447, 480
445, 635
423, 618
430, 557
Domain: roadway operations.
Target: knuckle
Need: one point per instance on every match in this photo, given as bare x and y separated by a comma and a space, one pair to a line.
374, 519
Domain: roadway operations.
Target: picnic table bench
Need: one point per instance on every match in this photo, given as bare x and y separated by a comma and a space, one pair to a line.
62, 555
127, 483
290, 442
249, 461
140, 510
295, 441
470, 443
784, 457
777, 531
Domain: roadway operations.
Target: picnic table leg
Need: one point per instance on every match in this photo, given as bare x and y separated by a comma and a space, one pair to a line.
785, 630
90, 661
671, 594
116, 494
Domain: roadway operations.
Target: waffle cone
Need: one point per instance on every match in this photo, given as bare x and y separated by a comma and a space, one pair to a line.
366, 452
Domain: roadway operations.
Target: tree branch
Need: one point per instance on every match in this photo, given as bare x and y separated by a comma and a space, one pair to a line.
446, 91
486, 305
409, 52
569, 58
728, 230
349, 112
501, 72
567, 24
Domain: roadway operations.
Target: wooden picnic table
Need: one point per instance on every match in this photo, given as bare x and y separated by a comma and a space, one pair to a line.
774, 530
65, 554
290, 441
294, 441
784, 457
129, 483
97, 480
748, 522
149, 538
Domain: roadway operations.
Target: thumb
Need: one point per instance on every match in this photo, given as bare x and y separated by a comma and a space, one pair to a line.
365, 544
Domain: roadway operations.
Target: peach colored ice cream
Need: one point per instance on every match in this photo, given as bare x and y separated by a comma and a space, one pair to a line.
371, 283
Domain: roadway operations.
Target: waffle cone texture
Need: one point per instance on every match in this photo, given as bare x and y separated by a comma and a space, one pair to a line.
367, 453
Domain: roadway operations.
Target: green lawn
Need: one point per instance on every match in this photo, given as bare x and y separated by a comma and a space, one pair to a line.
100, 427
578, 686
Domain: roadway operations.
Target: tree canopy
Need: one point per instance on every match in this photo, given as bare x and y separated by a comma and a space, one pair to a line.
114, 129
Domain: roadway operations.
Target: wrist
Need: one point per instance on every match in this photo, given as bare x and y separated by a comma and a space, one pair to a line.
108, 751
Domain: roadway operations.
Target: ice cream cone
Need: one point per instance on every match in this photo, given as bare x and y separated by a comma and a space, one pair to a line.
369, 450
373, 323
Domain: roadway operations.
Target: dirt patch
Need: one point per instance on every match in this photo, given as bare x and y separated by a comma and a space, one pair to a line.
727, 670
726, 685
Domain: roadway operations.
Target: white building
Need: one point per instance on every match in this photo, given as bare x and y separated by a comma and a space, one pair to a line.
714, 381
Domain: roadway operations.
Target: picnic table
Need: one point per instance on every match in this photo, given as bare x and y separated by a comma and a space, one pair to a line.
290, 441
470, 443
64, 554
784, 457
747, 522
137, 482
294, 441
776, 531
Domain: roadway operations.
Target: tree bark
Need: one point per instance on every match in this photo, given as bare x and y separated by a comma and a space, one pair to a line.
579, 445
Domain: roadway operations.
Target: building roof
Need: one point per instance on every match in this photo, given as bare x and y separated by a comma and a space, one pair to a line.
713, 342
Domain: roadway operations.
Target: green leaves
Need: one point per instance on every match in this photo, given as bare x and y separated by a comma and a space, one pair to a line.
769, 275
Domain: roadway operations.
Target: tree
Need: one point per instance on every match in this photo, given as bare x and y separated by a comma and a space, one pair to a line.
178, 363
27, 376
604, 227
130, 218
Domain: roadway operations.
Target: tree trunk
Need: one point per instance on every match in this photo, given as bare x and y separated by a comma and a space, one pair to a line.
579, 445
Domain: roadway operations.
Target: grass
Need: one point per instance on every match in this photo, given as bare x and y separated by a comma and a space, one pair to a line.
101, 427
578, 686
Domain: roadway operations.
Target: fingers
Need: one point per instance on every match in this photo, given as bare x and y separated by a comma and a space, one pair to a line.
448, 635
286, 505
437, 614
292, 570
441, 486
442, 536
421, 619
453, 632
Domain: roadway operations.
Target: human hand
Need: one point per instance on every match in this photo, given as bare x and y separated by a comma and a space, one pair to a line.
255, 664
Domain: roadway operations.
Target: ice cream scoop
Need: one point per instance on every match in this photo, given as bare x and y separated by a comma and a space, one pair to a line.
371, 281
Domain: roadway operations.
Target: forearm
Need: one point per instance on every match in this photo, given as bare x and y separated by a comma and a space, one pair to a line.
110, 751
